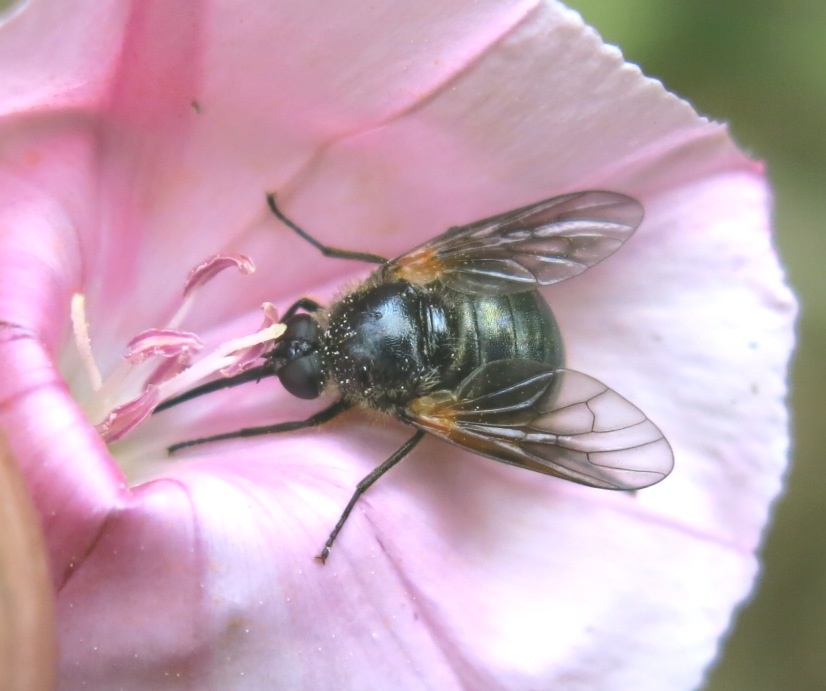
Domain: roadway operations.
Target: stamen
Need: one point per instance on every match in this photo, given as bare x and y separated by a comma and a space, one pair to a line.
143, 390
226, 355
203, 274
248, 357
166, 343
207, 270
80, 327
126, 417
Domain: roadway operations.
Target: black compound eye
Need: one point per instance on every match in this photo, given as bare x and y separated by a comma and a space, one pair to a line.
302, 334
302, 377
302, 327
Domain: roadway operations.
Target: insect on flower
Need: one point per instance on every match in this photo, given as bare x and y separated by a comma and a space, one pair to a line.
454, 339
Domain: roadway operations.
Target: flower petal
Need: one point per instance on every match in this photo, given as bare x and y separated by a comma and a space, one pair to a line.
453, 572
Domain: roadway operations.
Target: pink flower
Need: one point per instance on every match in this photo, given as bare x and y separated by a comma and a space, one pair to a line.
140, 138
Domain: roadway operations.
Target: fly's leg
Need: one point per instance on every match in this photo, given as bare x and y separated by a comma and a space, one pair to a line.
319, 418
306, 304
327, 251
363, 486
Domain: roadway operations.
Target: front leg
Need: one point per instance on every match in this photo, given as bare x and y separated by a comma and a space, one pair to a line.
326, 250
318, 418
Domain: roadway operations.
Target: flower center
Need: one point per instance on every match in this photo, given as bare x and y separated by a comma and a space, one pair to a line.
128, 395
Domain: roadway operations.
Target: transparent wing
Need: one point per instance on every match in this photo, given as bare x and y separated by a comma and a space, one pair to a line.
522, 249
557, 422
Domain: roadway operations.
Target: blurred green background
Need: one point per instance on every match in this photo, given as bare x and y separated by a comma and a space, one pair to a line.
762, 68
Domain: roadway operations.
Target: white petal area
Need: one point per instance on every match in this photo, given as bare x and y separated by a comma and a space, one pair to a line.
224, 591
453, 572
605, 563
691, 320
699, 320
471, 150
693, 323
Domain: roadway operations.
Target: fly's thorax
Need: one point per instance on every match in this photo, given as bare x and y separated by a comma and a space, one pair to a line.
387, 342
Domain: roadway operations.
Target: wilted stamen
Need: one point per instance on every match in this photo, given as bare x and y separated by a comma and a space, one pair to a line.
166, 343
141, 390
203, 274
227, 355
248, 356
169, 368
126, 417
206, 271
